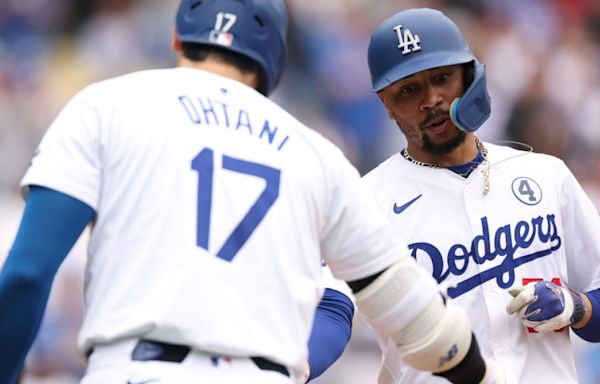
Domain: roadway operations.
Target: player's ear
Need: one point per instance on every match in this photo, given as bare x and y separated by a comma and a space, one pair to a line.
385, 103
175, 42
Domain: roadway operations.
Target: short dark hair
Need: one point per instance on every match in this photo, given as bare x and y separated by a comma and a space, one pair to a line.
200, 52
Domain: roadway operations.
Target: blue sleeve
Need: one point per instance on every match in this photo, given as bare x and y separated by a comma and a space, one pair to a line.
591, 332
331, 331
50, 226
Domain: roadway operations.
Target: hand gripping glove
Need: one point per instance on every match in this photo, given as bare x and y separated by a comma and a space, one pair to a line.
545, 306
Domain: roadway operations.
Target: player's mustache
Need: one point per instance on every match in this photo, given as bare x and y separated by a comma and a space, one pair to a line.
433, 115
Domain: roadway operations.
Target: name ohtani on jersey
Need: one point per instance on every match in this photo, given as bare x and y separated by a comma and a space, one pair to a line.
207, 111
510, 242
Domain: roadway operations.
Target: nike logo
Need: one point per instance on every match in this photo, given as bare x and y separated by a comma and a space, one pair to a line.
399, 209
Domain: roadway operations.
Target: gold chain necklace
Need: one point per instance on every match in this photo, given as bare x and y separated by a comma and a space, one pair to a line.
485, 171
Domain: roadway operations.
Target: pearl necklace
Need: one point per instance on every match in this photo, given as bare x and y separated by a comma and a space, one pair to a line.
485, 171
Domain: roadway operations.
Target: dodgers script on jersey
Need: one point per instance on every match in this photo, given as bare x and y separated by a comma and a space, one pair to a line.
223, 269
477, 247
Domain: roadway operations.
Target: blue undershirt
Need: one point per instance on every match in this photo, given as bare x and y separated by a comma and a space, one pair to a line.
331, 331
591, 332
50, 226
465, 170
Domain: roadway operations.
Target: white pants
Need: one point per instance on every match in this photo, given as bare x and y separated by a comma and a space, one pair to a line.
112, 364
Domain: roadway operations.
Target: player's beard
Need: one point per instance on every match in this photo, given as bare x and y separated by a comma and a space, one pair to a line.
416, 135
445, 147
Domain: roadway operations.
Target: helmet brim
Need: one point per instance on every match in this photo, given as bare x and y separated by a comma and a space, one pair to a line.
424, 62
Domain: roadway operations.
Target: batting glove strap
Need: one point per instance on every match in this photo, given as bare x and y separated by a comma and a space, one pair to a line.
579, 311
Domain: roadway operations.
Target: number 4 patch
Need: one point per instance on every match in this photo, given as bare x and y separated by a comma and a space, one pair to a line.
526, 190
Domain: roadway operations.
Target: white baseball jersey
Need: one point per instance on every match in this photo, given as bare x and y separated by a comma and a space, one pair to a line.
535, 223
214, 208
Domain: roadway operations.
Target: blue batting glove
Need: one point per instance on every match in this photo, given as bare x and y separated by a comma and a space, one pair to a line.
543, 306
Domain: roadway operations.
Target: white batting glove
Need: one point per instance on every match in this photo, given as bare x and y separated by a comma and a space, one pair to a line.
494, 373
545, 306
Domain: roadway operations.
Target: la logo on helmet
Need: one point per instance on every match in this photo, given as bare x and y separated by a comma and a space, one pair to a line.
407, 41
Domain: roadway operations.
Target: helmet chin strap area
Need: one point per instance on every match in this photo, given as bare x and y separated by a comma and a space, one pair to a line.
471, 110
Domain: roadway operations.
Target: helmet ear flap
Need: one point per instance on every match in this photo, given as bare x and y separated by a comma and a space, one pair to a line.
471, 110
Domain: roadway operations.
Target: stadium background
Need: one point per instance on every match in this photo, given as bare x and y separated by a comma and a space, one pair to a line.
543, 65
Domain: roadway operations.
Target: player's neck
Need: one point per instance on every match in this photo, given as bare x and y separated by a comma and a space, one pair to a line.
460, 155
222, 69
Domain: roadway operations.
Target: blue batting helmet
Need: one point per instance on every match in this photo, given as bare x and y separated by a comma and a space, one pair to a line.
254, 28
419, 39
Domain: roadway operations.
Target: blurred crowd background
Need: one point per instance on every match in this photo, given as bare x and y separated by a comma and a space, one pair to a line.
543, 70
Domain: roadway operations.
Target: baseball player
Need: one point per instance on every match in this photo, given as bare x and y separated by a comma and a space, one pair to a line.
211, 210
509, 234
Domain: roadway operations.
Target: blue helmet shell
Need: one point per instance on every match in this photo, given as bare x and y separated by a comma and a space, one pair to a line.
254, 28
